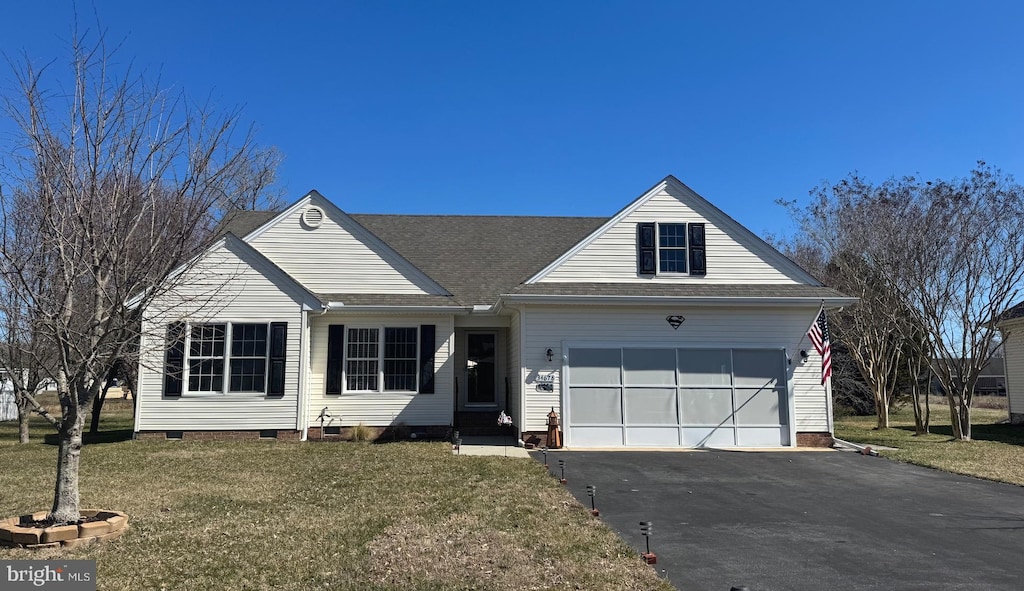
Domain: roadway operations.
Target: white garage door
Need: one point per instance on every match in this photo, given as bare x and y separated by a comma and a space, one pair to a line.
660, 397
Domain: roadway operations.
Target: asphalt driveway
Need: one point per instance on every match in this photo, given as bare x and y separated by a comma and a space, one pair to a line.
791, 521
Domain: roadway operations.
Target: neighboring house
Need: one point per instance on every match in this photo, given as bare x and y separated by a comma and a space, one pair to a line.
991, 380
667, 325
1011, 325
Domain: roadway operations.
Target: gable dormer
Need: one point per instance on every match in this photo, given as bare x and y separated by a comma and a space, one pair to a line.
670, 234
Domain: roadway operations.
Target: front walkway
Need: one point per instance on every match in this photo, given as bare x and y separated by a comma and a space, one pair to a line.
490, 446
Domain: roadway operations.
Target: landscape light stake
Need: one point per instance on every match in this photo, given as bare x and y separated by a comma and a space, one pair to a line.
646, 531
592, 492
544, 450
561, 465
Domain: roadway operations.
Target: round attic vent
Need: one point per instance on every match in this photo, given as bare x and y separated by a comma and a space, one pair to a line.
313, 217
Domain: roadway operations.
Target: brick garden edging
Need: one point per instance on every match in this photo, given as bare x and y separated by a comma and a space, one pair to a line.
110, 525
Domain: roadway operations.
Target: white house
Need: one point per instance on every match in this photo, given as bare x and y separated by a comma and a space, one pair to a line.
1011, 325
667, 325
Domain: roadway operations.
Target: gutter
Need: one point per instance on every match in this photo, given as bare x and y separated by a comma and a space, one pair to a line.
456, 310
830, 302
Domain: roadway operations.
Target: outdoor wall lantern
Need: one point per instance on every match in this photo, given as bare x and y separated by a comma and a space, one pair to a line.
550, 354
803, 353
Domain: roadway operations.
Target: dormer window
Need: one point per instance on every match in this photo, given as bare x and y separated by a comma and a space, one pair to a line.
671, 248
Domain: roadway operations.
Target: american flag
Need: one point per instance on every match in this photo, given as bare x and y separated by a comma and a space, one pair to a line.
822, 343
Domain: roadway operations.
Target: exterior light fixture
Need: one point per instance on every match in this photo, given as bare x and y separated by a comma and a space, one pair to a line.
550, 354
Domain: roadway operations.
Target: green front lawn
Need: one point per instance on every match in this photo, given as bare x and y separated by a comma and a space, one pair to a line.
269, 515
996, 453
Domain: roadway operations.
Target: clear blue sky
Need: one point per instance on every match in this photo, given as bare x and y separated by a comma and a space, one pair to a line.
575, 108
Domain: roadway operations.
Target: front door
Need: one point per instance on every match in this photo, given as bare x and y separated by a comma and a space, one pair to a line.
481, 368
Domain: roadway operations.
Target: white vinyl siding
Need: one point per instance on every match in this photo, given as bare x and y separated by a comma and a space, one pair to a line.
704, 328
612, 257
338, 257
1013, 350
229, 284
379, 409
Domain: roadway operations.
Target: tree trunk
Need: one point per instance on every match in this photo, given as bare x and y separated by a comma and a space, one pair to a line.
915, 400
65, 493
129, 383
954, 417
927, 409
965, 420
882, 403
24, 412
97, 407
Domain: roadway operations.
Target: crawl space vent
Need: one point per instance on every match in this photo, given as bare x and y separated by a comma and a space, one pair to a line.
313, 217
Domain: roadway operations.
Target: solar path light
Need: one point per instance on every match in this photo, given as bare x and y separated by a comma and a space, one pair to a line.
646, 531
592, 493
561, 466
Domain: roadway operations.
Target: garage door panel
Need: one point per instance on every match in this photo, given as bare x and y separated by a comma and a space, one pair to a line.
649, 367
708, 437
760, 436
595, 366
706, 406
758, 406
651, 406
595, 406
705, 367
597, 436
653, 436
755, 367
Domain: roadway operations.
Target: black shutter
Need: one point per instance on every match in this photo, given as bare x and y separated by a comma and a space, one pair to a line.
278, 352
427, 349
335, 357
174, 359
646, 249
698, 255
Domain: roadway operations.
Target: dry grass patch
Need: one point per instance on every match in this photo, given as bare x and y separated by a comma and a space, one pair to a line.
996, 453
276, 515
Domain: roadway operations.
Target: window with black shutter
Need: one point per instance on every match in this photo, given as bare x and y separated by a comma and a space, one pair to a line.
671, 248
225, 357
365, 359
174, 359
427, 333
646, 249
698, 258
277, 357
335, 357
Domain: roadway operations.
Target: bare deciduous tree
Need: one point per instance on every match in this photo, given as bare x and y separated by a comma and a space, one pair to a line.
120, 182
942, 259
957, 257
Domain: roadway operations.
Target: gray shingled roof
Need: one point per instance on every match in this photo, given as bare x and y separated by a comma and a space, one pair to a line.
241, 222
477, 258
1014, 312
686, 290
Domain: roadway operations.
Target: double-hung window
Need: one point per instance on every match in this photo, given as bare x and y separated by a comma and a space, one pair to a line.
371, 362
671, 248
225, 357
206, 358
380, 359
